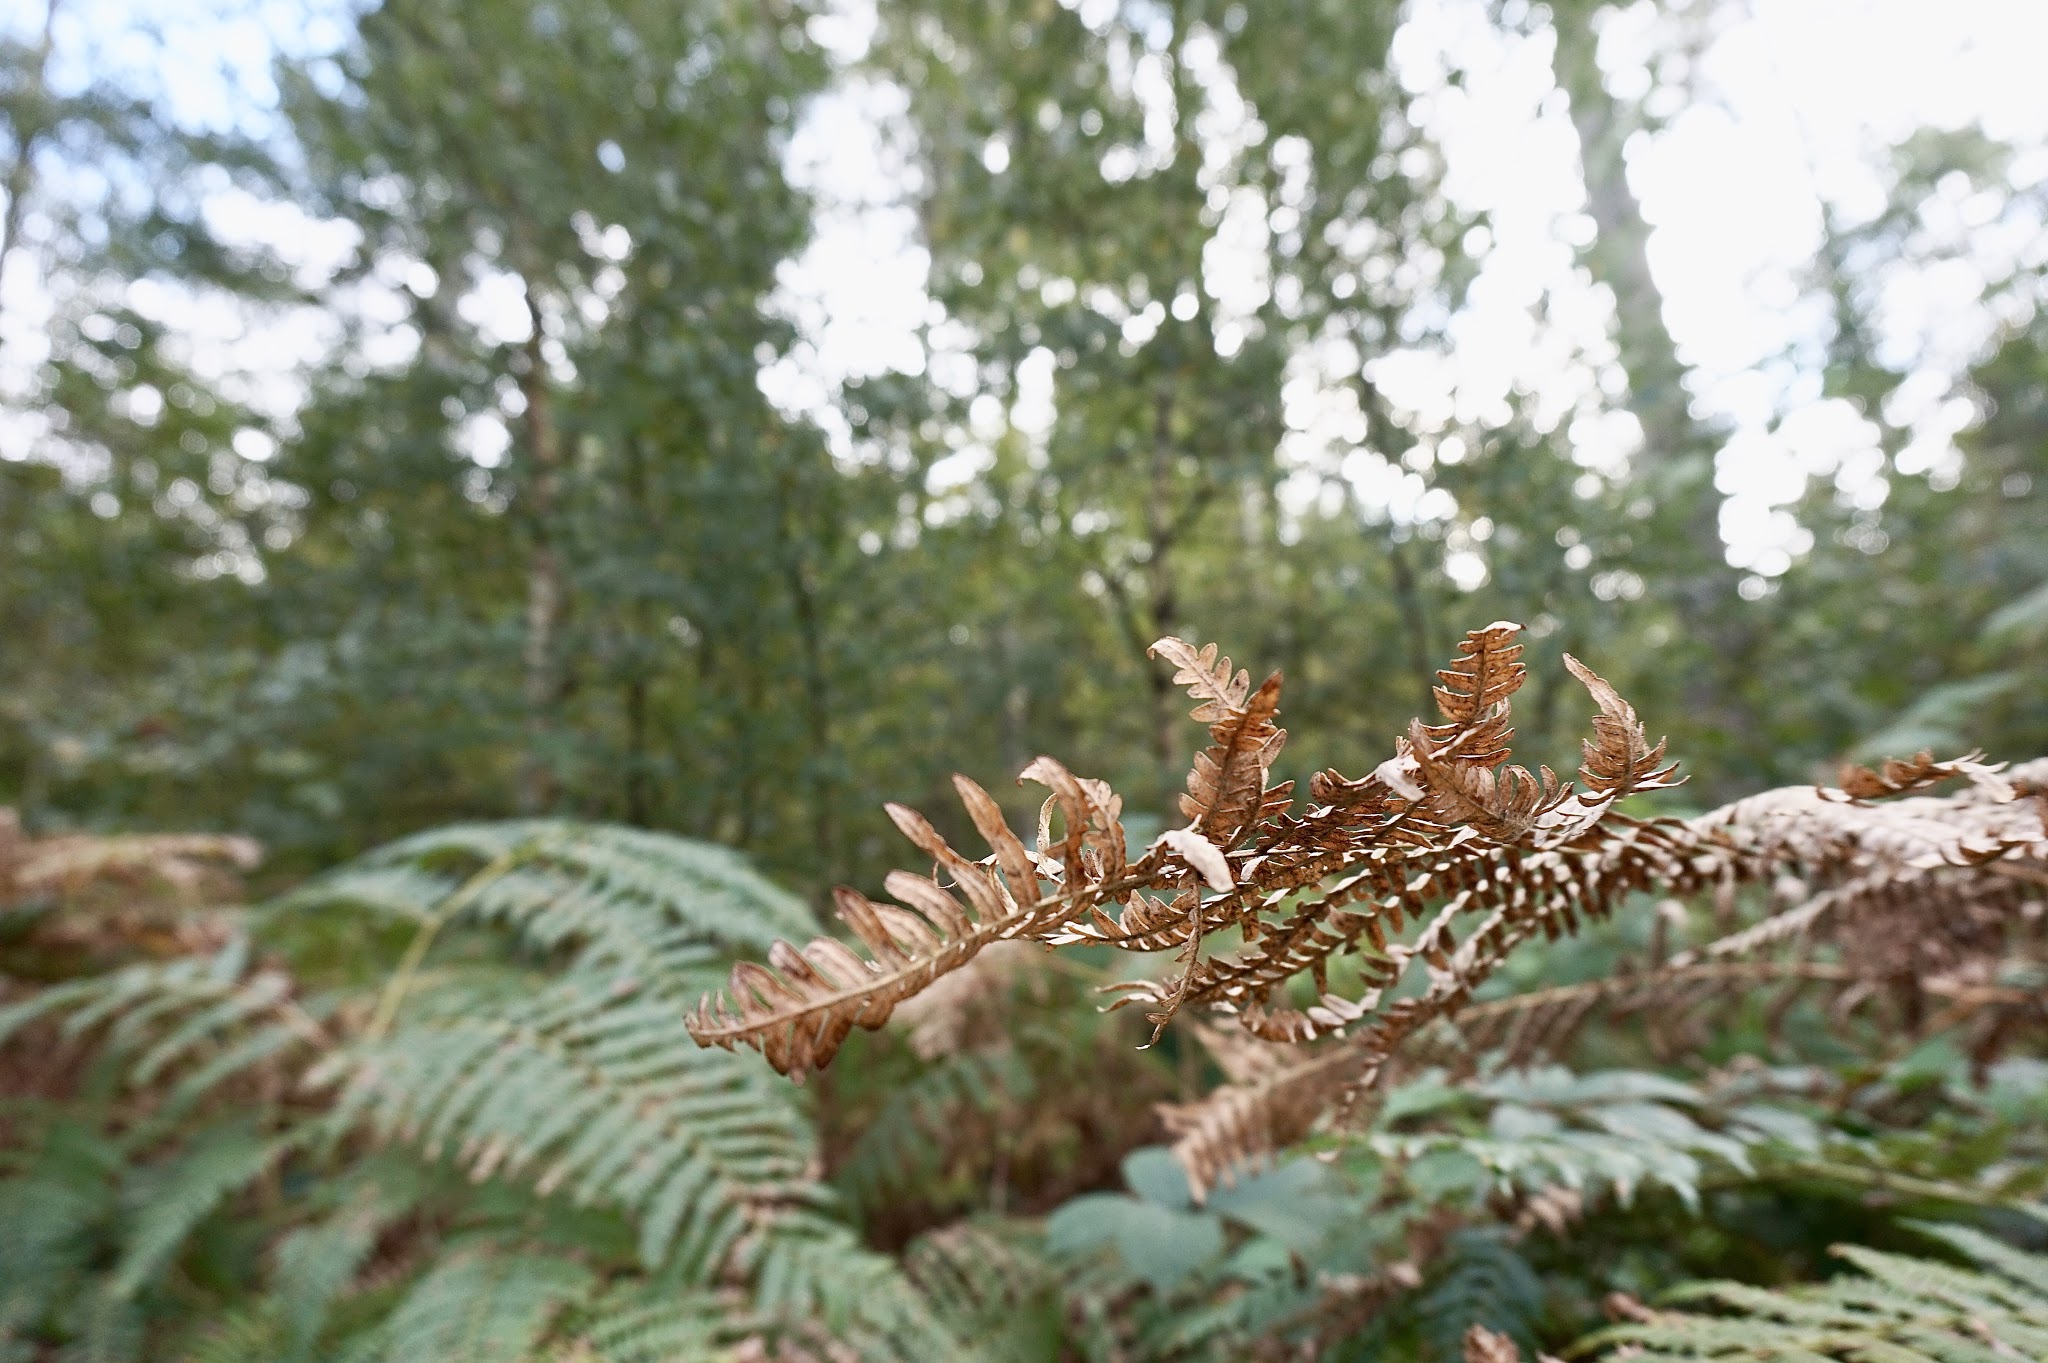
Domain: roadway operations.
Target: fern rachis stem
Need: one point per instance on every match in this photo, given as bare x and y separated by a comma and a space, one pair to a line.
393, 997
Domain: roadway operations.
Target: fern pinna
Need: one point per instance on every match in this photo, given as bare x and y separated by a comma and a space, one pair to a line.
468, 1048
1398, 894
1893, 1307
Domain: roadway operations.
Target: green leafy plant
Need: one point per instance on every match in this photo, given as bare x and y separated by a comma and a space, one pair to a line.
492, 1007
1891, 1306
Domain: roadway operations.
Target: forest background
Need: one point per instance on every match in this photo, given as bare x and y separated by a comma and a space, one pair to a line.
724, 421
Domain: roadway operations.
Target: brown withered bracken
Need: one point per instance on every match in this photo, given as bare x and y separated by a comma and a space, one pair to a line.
1480, 855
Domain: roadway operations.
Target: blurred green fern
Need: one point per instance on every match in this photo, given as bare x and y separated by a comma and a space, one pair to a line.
1895, 1307
498, 1006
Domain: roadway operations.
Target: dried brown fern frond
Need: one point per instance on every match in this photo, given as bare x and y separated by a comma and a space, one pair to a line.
1460, 766
1482, 1345
2028, 778
1900, 777
799, 1009
118, 894
1820, 830
1448, 842
1226, 789
1619, 757
1472, 695
1925, 907
1242, 1057
1448, 838
1953, 915
1240, 1123
69, 863
1474, 691
1504, 804
1922, 905
1523, 1028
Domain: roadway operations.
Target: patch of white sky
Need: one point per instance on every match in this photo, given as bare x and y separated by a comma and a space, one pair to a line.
1531, 325
1798, 103
857, 294
209, 65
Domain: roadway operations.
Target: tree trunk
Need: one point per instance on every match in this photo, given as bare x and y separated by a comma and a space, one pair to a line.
641, 630
1414, 615
1619, 256
544, 594
1159, 531
801, 580
1676, 467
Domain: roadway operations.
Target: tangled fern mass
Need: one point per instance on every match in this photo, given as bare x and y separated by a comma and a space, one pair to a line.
1448, 838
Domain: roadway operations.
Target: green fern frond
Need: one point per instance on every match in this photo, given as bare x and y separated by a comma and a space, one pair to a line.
585, 1084
92, 1000
596, 1092
211, 1016
483, 1304
2029, 1270
640, 1322
1611, 1131
104, 1328
903, 1143
171, 1202
808, 1269
1482, 1281
1896, 1309
315, 1265
252, 1334
554, 882
48, 1245
988, 1285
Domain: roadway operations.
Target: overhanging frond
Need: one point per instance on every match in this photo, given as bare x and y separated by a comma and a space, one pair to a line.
1893, 1307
